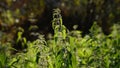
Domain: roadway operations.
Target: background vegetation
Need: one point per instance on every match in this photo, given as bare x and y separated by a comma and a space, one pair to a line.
84, 34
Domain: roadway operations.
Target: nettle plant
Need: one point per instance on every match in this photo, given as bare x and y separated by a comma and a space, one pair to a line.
67, 49
63, 45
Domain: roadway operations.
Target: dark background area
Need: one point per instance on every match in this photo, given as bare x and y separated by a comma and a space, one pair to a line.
35, 16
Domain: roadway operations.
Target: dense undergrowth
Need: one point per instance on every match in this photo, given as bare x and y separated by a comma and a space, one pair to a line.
66, 49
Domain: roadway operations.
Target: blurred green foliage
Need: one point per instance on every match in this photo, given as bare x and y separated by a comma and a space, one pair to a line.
13, 10
14, 13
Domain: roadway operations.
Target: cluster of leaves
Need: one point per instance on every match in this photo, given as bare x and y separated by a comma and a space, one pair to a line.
67, 49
